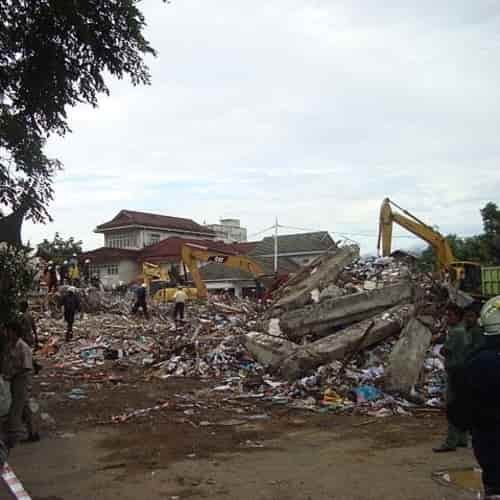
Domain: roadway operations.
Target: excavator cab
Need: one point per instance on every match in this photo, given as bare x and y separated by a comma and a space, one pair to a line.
467, 276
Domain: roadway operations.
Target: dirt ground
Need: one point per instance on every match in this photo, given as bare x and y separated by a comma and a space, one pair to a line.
205, 444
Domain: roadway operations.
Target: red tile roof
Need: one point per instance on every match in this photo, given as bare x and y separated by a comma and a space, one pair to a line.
244, 247
104, 255
131, 218
169, 250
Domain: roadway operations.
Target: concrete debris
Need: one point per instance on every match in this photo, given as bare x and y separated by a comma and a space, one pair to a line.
247, 354
337, 345
268, 350
321, 319
320, 276
407, 358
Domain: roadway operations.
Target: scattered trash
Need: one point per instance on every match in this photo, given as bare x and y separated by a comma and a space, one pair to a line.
245, 349
465, 479
367, 393
77, 393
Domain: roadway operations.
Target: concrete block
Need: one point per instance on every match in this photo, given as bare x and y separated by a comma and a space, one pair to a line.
407, 357
338, 345
323, 274
322, 318
268, 350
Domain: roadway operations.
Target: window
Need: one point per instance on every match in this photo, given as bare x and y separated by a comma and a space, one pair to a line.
154, 238
105, 270
122, 240
112, 269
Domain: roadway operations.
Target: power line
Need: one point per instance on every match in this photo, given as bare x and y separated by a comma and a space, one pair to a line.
347, 233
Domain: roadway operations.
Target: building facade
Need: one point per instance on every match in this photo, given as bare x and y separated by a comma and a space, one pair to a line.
229, 231
132, 238
130, 233
136, 230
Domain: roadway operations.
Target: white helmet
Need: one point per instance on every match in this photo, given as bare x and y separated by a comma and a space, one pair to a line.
490, 316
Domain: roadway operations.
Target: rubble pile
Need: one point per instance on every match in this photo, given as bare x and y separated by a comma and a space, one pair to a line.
206, 346
345, 335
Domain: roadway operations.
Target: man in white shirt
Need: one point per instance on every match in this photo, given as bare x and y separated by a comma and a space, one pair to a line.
180, 302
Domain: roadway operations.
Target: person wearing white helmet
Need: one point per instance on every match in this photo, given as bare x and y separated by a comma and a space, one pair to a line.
476, 406
86, 271
64, 272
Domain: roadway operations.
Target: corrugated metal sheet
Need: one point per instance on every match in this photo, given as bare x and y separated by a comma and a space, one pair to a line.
491, 281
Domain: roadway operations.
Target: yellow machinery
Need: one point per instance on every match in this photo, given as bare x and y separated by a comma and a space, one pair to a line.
192, 254
465, 275
157, 280
152, 272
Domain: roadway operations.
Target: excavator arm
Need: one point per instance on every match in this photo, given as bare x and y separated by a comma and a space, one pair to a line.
151, 272
192, 254
415, 226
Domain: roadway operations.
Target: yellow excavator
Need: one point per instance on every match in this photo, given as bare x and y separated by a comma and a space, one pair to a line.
463, 274
192, 254
158, 282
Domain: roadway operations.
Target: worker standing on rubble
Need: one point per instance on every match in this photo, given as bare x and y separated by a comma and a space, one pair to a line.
455, 351
28, 325
74, 274
180, 298
64, 272
86, 272
17, 367
475, 336
51, 277
71, 305
140, 300
476, 406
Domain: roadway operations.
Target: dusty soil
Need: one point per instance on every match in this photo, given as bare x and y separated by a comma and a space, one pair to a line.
204, 444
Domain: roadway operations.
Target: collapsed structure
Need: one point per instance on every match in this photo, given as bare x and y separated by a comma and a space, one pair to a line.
343, 334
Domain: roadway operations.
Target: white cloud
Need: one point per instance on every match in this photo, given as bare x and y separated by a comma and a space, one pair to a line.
312, 112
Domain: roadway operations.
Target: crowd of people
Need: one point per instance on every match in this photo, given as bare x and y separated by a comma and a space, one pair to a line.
472, 361
69, 272
471, 349
18, 339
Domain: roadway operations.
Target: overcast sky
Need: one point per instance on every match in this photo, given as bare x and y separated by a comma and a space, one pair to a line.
311, 111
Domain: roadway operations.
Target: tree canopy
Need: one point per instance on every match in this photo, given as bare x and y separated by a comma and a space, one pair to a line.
53, 55
59, 249
16, 280
483, 248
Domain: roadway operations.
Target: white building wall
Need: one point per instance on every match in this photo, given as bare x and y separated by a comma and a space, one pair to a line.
114, 272
237, 286
128, 271
229, 233
140, 238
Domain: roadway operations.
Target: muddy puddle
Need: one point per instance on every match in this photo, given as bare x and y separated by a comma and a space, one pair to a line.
464, 479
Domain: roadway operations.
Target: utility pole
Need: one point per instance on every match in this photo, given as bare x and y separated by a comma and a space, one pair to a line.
276, 246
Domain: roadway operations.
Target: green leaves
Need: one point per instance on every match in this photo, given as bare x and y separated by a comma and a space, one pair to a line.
59, 249
483, 248
53, 54
16, 279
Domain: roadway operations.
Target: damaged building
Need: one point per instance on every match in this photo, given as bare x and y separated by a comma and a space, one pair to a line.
132, 238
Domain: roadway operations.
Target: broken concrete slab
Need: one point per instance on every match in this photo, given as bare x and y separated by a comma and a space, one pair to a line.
323, 274
268, 350
407, 357
336, 346
320, 319
331, 292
